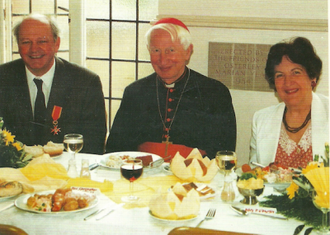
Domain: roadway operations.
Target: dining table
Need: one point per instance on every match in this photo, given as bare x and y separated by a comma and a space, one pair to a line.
139, 220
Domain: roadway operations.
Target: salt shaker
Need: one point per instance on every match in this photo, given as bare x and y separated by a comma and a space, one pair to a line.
72, 170
228, 193
85, 173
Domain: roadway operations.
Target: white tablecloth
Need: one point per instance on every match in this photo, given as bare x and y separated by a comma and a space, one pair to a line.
138, 220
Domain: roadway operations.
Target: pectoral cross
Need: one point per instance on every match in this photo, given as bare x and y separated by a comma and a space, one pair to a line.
167, 142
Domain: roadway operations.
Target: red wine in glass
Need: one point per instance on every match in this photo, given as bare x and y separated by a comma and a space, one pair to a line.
131, 169
131, 172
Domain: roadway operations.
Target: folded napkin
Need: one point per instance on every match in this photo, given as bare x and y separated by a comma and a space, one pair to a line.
40, 174
144, 188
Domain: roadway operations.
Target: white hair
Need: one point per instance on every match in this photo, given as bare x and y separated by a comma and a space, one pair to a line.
176, 32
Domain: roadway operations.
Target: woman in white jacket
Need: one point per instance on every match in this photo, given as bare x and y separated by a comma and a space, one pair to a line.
292, 132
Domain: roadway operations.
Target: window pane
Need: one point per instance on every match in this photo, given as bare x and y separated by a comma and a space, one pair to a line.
62, 4
97, 39
123, 41
145, 69
123, 9
143, 51
97, 9
102, 69
148, 9
64, 31
20, 7
63, 55
43, 6
114, 108
123, 74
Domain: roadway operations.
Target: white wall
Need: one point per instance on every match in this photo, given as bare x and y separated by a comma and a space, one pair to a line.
285, 19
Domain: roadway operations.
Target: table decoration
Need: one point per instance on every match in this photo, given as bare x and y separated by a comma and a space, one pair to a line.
194, 168
144, 188
297, 202
12, 153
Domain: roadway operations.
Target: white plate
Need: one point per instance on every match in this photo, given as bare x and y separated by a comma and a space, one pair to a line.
170, 220
21, 203
130, 154
6, 198
207, 196
281, 187
56, 156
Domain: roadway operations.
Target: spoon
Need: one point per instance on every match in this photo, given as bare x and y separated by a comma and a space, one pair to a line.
244, 212
158, 162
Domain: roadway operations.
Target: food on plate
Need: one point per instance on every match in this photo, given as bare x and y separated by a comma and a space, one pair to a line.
194, 167
250, 181
203, 190
35, 150
273, 173
52, 149
8, 189
145, 159
115, 161
63, 199
175, 206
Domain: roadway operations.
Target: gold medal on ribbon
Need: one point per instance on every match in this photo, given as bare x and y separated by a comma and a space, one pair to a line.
56, 114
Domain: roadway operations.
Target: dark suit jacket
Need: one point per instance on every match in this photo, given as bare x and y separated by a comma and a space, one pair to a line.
77, 90
205, 118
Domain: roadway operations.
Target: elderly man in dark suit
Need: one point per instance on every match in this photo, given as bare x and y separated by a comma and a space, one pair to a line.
43, 97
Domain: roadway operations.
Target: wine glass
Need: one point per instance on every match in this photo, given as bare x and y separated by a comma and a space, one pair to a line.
226, 161
131, 169
324, 207
73, 143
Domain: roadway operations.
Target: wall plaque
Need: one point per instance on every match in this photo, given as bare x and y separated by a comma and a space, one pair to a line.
239, 66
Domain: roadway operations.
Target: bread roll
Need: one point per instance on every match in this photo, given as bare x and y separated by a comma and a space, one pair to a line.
35, 150
53, 149
8, 189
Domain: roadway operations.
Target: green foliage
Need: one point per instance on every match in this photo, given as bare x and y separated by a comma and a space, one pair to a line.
300, 208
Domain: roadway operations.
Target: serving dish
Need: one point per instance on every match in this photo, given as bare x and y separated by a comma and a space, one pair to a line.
130, 154
21, 203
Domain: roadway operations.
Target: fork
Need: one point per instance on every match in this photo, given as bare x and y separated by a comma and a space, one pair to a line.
210, 215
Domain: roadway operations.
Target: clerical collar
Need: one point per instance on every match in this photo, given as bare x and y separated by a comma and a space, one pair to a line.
172, 85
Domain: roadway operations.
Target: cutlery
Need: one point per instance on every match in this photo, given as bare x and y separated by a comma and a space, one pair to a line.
257, 164
244, 212
158, 162
111, 210
210, 215
93, 166
94, 213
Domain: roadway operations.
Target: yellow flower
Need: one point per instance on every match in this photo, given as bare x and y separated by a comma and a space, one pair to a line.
311, 166
292, 189
17, 146
9, 138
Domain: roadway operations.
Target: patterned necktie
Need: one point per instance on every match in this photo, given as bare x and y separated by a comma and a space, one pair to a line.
39, 111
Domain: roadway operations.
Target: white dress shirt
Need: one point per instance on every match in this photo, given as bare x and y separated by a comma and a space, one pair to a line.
47, 79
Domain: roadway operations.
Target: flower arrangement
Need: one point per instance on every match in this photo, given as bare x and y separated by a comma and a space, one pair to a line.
297, 201
12, 153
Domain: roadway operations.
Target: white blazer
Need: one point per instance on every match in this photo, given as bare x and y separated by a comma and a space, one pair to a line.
266, 128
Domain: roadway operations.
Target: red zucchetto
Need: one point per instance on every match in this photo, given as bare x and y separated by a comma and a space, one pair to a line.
172, 21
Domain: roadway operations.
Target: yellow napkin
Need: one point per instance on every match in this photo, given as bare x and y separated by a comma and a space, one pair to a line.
319, 178
144, 188
44, 166
105, 186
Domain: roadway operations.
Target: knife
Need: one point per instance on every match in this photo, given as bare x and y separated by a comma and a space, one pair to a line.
111, 210
94, 213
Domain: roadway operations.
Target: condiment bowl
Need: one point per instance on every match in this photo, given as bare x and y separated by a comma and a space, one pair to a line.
250, 195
